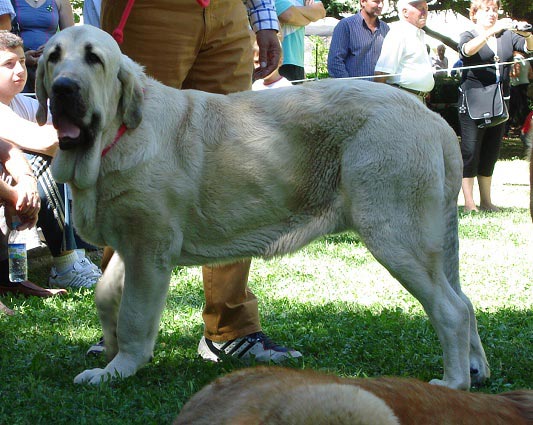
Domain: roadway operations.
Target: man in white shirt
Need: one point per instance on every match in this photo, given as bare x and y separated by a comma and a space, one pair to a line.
404, 60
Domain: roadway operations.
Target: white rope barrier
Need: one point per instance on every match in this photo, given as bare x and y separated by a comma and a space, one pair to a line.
447, 70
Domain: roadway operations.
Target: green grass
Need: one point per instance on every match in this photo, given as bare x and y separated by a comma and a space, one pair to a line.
332, 301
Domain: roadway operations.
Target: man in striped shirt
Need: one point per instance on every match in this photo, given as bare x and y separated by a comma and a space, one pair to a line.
356, 42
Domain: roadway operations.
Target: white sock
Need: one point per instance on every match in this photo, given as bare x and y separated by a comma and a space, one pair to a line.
63, 262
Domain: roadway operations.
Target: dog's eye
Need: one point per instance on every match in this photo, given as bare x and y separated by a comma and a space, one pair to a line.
92, 58
54, 56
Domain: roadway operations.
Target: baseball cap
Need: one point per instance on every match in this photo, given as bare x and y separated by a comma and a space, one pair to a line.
400, 4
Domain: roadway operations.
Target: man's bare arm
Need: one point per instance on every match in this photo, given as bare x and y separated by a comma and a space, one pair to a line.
381, 77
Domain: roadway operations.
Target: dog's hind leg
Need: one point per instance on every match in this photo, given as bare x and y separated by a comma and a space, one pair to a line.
146, 280
479, 367
408, 239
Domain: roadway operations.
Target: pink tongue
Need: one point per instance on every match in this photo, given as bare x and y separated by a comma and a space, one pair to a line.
67, 129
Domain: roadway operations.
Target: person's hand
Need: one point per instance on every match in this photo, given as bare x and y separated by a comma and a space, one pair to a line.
28, 202
22, 223
309, 2
269, 53
522, 28
32, 57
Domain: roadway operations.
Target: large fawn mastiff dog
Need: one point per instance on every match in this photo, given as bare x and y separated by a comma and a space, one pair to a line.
169, 177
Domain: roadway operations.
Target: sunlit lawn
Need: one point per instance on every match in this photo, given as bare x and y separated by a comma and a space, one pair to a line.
332, 301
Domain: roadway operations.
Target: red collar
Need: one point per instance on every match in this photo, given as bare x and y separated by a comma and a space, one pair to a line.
122, 129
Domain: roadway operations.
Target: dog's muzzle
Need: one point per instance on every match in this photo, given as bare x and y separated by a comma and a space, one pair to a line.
68, 112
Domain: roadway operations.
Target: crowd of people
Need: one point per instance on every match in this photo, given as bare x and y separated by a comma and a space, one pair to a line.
216, 55
362, 45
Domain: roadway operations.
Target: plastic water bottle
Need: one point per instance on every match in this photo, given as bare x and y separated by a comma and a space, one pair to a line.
18, 259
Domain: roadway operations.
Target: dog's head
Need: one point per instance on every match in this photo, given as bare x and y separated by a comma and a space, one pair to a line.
92, 88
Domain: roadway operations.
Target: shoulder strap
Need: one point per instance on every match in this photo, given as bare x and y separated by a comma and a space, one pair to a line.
497, 66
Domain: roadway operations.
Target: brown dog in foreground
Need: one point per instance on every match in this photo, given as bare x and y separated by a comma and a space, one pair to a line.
276, 396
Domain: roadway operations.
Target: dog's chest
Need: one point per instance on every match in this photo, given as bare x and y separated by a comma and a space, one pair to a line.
86, 221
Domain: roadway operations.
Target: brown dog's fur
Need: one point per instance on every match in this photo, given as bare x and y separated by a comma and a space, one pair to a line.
273, 395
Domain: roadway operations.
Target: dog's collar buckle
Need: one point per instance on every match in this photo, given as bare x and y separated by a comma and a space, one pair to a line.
122, 129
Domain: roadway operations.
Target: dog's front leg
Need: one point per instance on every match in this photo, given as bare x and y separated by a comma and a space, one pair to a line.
142, 302
108, 295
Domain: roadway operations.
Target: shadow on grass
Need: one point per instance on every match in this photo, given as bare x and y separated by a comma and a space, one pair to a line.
512, 148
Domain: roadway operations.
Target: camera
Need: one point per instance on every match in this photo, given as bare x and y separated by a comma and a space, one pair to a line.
521, 26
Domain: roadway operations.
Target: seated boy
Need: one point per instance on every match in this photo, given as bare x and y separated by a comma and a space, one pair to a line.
71, 268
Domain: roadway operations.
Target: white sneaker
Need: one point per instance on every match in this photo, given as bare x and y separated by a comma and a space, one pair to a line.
83, 273
86, 262
256, 346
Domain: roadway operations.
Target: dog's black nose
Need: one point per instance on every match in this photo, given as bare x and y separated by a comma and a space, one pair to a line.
65, 86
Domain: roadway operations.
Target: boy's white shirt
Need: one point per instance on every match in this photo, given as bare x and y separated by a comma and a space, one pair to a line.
26, 107
18, 126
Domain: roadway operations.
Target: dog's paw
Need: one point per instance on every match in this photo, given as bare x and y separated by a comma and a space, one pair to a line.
479, 372
455, 385
93, 377
122, 366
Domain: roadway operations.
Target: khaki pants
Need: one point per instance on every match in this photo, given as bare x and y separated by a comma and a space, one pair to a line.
185, 46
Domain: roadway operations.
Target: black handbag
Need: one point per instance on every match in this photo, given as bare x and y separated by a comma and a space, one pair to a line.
486, 105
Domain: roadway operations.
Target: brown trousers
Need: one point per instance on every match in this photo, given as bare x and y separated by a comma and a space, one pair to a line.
185, 46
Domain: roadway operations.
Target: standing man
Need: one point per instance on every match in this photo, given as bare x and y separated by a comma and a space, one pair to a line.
404, 54
294, 15
197, 44
440, 62
91, 12
356, 42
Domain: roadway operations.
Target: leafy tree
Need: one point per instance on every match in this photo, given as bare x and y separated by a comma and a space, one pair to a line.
517, 9
77, 6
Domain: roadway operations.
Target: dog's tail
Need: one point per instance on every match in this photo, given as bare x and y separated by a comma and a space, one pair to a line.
523, 401
453, 167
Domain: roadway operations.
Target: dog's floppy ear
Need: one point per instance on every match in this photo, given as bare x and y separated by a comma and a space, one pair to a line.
131, 98
42, 94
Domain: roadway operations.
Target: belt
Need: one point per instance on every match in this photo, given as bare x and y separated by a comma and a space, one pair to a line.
415, 92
